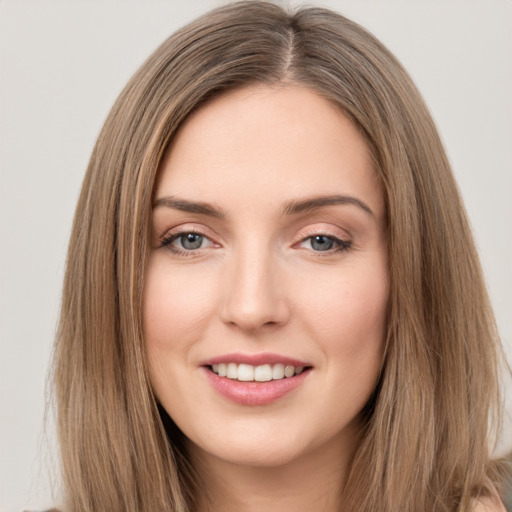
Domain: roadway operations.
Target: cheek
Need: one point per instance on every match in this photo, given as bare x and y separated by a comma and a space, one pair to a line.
347, 317
176, 309
349, 311
171, 303
354, 343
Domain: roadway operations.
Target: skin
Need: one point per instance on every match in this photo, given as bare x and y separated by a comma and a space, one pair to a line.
258, 283
490, 504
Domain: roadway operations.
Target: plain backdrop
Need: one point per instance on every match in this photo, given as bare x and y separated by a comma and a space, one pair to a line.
62, 64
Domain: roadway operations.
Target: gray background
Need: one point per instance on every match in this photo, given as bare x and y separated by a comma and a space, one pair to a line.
62, 64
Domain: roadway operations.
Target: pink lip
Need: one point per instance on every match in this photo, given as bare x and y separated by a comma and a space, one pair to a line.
254, 393
254, 359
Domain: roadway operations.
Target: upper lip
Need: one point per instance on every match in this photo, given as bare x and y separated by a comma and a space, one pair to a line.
255, 359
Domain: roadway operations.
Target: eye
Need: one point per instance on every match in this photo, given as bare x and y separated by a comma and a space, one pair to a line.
186, 242
322, 243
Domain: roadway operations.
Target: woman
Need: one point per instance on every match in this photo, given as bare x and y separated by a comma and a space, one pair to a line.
272, 299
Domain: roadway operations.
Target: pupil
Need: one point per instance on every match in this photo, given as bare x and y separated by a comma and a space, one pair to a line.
191, 241
321, 243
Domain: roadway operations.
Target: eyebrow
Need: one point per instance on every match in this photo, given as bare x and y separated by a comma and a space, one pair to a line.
314, 203
292, 207
189, 206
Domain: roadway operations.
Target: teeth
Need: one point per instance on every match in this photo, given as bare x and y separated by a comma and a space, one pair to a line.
245, 372
249, 373
263, 373
289, 371
278, 371
232, 371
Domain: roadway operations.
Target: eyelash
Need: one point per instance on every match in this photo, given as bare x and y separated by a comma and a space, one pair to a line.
340, 244
171, 237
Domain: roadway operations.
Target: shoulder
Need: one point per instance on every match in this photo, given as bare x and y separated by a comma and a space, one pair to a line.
493, 504
40, 510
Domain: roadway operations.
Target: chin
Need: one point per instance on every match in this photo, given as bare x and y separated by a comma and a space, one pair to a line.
256, 456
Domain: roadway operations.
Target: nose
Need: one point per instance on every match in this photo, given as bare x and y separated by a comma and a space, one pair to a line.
254, 296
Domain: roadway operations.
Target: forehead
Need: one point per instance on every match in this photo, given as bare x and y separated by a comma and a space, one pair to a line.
278, 141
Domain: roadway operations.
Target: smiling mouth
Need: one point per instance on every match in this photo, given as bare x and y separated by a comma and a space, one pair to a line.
261, 373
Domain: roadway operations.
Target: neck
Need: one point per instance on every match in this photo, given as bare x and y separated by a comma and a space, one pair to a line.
313, 481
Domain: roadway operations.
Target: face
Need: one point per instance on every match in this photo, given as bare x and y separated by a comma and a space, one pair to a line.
266, 294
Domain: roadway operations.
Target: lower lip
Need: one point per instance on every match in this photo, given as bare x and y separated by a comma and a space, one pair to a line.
255, 393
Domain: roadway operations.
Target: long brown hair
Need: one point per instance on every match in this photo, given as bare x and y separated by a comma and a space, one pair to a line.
425, 445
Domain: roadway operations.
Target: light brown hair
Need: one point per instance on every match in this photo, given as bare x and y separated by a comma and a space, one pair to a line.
425, 445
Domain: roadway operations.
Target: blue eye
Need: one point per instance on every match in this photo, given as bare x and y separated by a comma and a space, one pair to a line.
324, 243
185, 242
191, 241
321, 243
